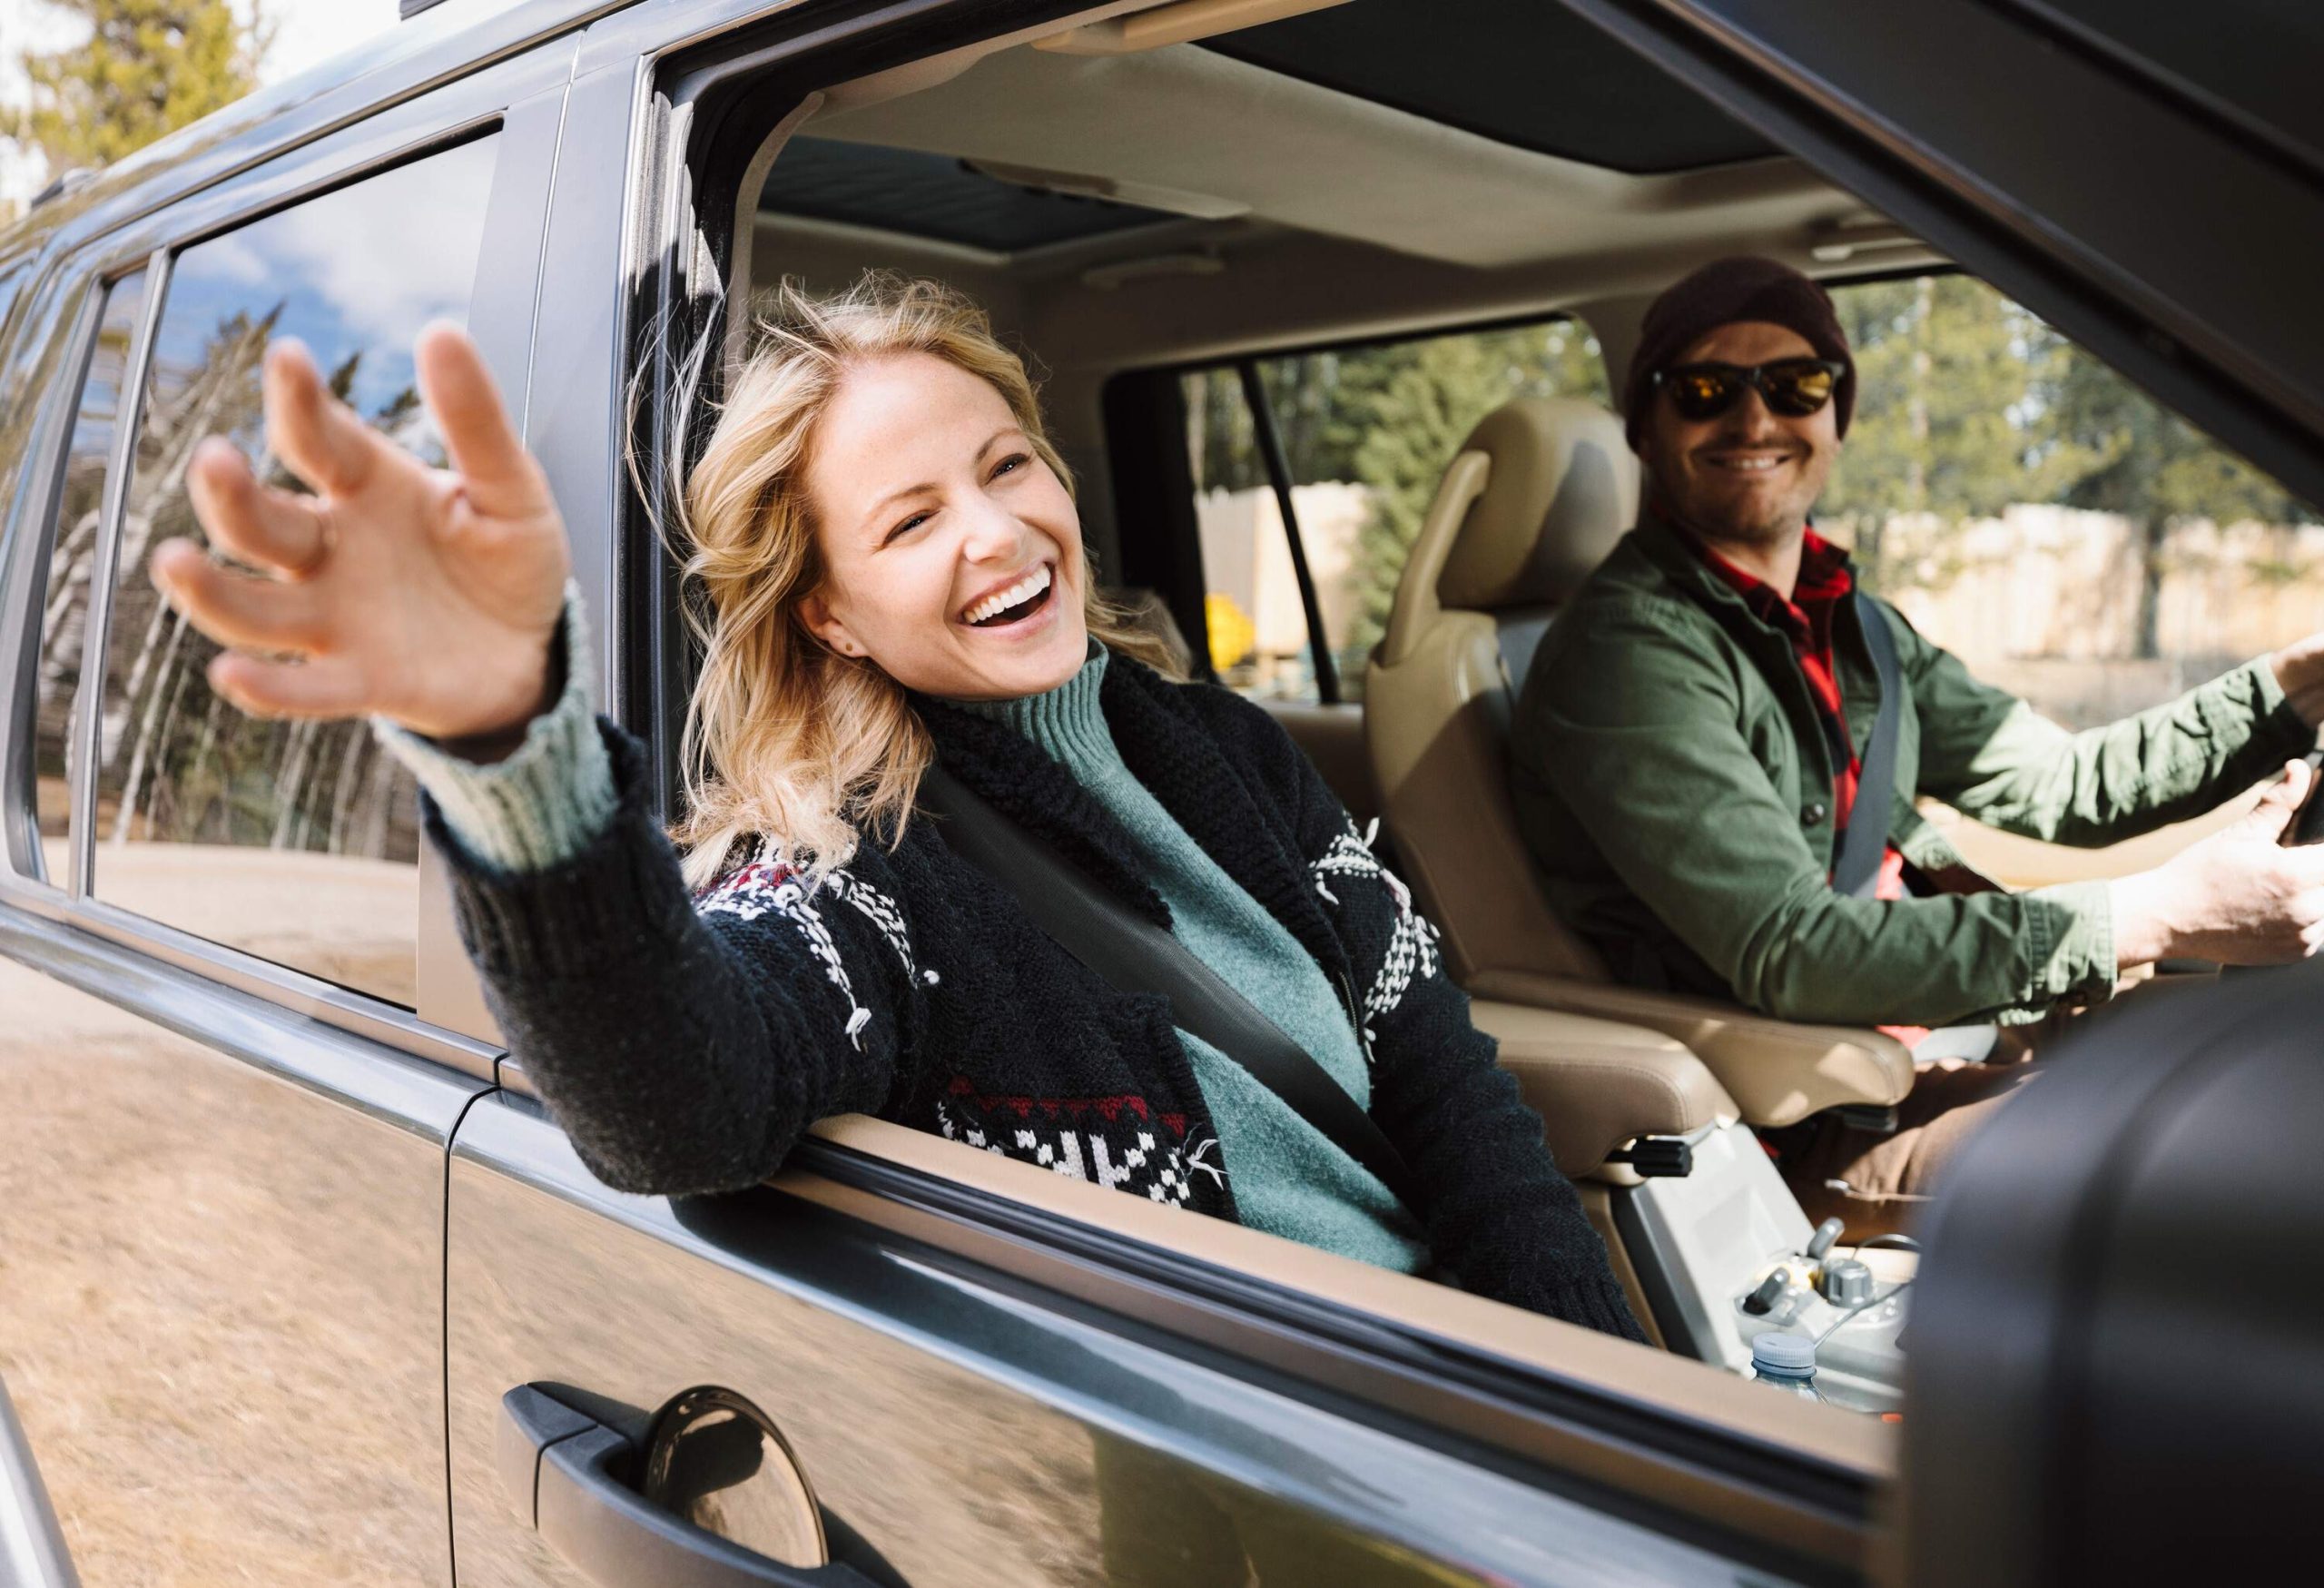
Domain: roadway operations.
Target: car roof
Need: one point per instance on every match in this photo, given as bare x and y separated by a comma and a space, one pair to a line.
393, 65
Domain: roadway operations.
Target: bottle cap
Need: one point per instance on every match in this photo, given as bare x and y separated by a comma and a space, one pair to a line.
1784, 1353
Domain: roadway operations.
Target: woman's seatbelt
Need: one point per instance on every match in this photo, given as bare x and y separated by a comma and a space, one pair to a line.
1856, 871
1134, 954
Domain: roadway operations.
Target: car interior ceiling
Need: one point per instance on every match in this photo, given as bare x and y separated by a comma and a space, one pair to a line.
1292, 186
1196, 202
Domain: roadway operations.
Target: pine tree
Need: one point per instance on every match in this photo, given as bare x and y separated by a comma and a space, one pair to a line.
2112, 449
1965, 403
147, 68
1944, 369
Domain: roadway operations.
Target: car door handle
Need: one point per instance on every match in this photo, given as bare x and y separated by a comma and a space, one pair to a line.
559, 1465
32, 1549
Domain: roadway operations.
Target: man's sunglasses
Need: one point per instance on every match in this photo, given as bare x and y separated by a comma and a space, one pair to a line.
1794, 388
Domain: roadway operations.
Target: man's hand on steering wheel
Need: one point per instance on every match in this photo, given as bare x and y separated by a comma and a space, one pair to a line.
2240, 897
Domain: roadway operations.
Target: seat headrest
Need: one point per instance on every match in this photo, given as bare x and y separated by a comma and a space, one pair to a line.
1563, 488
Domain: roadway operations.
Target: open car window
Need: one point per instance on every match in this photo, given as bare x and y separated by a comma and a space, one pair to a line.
1102, 254
1094, 277
2069, 537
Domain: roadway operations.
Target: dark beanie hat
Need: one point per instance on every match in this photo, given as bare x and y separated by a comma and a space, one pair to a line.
1722, 292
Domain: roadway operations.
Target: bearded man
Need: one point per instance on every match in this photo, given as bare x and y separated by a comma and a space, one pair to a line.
1694, 749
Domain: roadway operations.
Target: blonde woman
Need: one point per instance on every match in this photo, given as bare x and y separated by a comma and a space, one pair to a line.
889, 564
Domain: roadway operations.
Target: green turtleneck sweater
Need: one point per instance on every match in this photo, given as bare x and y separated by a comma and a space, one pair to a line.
545, 802
1288, 1178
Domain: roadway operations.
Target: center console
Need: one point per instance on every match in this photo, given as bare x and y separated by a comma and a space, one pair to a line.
1725, 1255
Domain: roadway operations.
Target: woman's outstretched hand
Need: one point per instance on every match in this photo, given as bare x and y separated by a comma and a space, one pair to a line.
428, 595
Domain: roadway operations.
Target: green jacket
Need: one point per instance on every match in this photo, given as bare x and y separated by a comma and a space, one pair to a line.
1675, 790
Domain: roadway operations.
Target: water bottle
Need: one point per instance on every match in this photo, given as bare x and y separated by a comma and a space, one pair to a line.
1786, 1362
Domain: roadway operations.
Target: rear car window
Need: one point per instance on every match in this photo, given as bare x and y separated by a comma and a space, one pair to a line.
72, 560
296, 841
1368, 431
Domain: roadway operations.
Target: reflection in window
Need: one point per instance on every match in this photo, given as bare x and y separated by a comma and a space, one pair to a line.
297, 841
17, 406
12, 281
64, 610
1367, 432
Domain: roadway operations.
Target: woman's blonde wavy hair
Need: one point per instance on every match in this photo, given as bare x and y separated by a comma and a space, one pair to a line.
784, 737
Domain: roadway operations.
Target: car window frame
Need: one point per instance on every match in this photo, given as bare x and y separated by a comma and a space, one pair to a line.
1735, 1486
519, 101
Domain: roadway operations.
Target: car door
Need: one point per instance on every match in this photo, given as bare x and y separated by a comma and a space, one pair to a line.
906, 1361
2138, 175
225, 1106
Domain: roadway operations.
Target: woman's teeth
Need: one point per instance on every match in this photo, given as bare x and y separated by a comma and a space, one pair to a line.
1015, 595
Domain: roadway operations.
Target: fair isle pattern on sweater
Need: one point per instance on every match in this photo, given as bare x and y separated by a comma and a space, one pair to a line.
1125, 1158
1129, 1155
1290, 1180
688, 1050
765, 884
1112, 1141
1410, 953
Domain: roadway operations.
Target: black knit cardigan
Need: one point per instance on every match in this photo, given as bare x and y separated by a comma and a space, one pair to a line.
685, 1043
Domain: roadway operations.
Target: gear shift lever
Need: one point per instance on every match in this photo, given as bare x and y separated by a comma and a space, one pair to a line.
1844, 1283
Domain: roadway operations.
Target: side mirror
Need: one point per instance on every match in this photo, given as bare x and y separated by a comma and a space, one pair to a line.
2116, 1370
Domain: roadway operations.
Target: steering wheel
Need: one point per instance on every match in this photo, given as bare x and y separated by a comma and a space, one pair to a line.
2307, 826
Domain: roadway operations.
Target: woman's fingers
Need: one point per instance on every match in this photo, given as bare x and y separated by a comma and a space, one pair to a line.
498, 475
237, 609
266, 529
318, 436
319, 686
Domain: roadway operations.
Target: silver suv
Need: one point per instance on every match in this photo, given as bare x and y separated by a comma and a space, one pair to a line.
299, 1283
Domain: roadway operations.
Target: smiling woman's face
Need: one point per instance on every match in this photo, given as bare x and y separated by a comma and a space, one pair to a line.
953, 554
1747, 475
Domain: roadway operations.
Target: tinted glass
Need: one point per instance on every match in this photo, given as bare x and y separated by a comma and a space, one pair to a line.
64, 610
293, 839
16, 405
1367, 432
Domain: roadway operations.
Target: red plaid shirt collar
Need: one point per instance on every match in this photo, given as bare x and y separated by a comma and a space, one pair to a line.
1826, 579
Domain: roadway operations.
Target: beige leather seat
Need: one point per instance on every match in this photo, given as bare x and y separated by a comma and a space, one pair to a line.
1538, 494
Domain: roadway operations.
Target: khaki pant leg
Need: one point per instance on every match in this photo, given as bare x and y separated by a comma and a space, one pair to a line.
1889, 1176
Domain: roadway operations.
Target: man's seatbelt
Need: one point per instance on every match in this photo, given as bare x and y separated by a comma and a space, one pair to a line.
1134, 954
1856, 871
